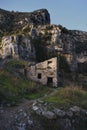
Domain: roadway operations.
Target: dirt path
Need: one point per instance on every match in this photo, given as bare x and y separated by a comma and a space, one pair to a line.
17, 117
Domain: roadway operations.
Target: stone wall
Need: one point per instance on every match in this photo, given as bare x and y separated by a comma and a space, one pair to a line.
44, 72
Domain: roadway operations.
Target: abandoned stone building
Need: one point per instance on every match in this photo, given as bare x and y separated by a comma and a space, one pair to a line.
44, 72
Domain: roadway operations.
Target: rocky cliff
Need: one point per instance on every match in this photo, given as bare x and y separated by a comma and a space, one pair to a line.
17, 47
13, 21
57, 40
31, 36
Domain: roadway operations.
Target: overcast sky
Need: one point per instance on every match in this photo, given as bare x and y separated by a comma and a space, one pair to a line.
71, 14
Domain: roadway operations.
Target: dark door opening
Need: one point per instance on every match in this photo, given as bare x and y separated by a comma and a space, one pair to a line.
39, 76
49, 81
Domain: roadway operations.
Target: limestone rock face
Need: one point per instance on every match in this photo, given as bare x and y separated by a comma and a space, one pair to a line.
17, 47
71, 44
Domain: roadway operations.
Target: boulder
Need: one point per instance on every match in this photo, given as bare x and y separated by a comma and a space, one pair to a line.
39, 111
69, 114
59, 113
75, 109
49, 114
35, 108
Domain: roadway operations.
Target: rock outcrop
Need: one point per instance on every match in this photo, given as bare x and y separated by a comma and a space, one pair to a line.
11, 21
72, 119
17, 47
48, 40
57, 40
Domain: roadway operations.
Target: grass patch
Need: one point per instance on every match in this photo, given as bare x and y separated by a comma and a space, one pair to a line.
69, 96
15, 86
14, 63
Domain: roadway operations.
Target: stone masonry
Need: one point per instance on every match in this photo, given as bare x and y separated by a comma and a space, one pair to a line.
44, 72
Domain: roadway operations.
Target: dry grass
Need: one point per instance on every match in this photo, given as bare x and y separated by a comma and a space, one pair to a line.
68, 96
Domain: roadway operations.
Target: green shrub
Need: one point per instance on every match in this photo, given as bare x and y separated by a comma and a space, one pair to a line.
81, 47
41, 52
63, 29
49, 27
63, 64
26, 29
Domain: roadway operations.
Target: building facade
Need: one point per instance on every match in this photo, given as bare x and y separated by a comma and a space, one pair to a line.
45, 72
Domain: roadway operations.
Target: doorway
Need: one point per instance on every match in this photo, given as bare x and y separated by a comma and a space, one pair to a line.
49, 81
